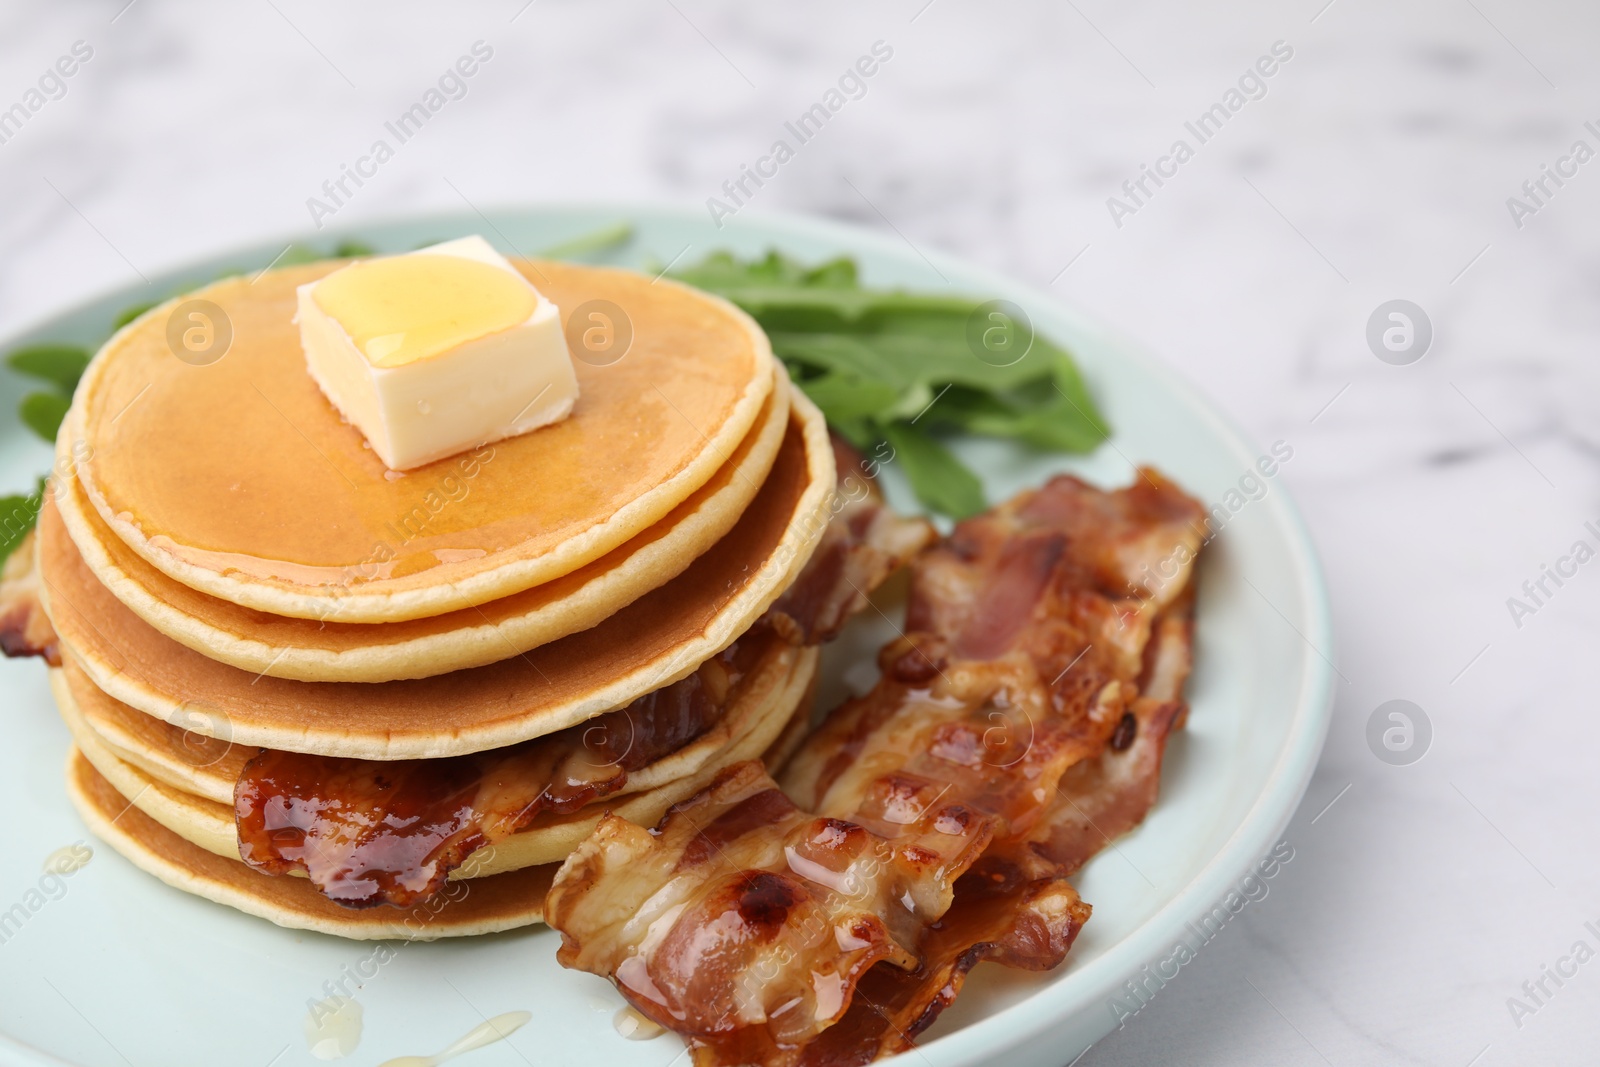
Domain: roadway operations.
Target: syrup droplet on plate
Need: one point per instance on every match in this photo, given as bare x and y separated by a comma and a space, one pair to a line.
68, 860
633, 1025
487, 1033
333, 1027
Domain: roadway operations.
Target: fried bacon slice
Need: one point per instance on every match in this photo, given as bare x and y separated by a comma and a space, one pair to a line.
370, 832
25, 630
863, 543
1041, 673
1027, 630
744, 923
1015, 905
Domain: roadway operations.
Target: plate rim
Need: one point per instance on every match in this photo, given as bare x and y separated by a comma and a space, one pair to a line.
1069, 1000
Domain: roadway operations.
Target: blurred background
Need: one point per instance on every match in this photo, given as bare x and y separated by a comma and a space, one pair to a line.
1385, 158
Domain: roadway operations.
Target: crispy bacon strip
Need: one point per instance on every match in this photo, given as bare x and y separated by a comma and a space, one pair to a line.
25, 630
370, 832
1032, 929
1026, 636
743, 922
863, 543
1014, 906
1015, 698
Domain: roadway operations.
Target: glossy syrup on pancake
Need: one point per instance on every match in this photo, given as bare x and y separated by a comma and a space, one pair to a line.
773, 693
484, 905
240, 478
372, 832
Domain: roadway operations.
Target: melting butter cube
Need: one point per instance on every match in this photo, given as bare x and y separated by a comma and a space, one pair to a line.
436, 351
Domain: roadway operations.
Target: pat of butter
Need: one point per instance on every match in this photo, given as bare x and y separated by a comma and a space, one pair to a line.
436, 351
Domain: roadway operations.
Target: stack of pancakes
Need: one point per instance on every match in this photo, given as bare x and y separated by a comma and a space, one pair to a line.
228, 567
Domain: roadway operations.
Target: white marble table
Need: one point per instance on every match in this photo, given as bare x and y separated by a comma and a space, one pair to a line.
1376, 166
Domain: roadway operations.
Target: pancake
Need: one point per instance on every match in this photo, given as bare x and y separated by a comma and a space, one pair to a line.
747, 732
334, 651
240, 479
652, 642
481, 906
175, 756
171, 753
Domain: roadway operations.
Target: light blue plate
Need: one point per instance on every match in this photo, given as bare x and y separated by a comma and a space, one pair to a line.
111, 968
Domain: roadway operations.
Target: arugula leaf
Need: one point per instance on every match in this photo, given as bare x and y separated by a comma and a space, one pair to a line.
588, 244
941, 481
60, 365
128, 314
849, 404
295, 255
876, 361
18, 514
722, 271
42, 413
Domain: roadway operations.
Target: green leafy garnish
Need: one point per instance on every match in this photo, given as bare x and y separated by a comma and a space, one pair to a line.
603, 240
42, 413
942, 482
911, 368
352, 250
60, 365
17, 516
295, 255
128, 314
